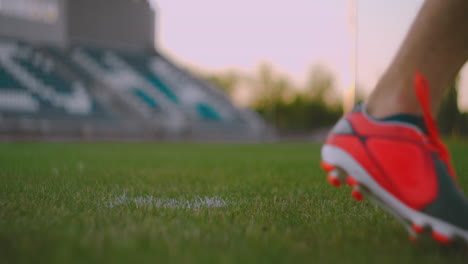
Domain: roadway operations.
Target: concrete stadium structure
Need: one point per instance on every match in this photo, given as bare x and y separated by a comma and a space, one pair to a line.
90, 69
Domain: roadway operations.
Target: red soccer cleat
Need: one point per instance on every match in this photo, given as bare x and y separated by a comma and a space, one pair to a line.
403, 167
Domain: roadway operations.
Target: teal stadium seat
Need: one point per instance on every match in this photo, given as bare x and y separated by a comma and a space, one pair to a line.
7, 82
207, 113
63, 57
146, 98
50, 78
43, 68
162, 88
140, 63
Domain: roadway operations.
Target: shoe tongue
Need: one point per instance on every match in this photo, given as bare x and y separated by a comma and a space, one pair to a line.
414, 120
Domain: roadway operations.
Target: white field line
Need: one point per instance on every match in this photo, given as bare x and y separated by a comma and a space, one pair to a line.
149, 201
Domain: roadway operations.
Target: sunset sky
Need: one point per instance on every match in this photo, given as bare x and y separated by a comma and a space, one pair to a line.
292, 35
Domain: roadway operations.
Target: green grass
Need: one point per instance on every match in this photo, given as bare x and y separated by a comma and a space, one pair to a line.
59, 204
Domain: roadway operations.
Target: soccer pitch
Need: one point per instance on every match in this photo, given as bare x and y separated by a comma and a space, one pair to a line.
194, 203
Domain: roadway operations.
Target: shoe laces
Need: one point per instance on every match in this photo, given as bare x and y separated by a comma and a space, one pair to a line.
423, 94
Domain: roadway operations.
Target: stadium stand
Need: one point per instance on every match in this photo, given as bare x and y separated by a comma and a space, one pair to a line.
32, 85
82, 89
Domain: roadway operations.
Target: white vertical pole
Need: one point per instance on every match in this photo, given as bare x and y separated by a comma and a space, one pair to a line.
349, 96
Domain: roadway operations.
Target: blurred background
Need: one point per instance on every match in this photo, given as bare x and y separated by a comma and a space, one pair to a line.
197, 70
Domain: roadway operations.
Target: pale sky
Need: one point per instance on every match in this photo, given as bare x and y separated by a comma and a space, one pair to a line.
291, 34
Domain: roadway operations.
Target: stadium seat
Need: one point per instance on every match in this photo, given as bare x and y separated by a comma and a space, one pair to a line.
32, 86
186, 93
7, 82
207, 112
162, 87
53, 84
44, 73
105, 65
145, 97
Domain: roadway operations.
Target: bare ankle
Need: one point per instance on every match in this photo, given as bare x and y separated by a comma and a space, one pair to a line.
385, 102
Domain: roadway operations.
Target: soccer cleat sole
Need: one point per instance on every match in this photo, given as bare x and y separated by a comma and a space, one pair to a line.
339, 164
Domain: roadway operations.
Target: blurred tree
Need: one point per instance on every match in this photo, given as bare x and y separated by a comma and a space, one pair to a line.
316, 104
270, 89
226, 81
298, 110
449, 118
464, 124
320, 84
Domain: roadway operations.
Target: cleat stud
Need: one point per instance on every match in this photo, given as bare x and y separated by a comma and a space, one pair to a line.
417, 228
441, 238
351, 181
357, 195
327, 166
334, 181
412, 238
